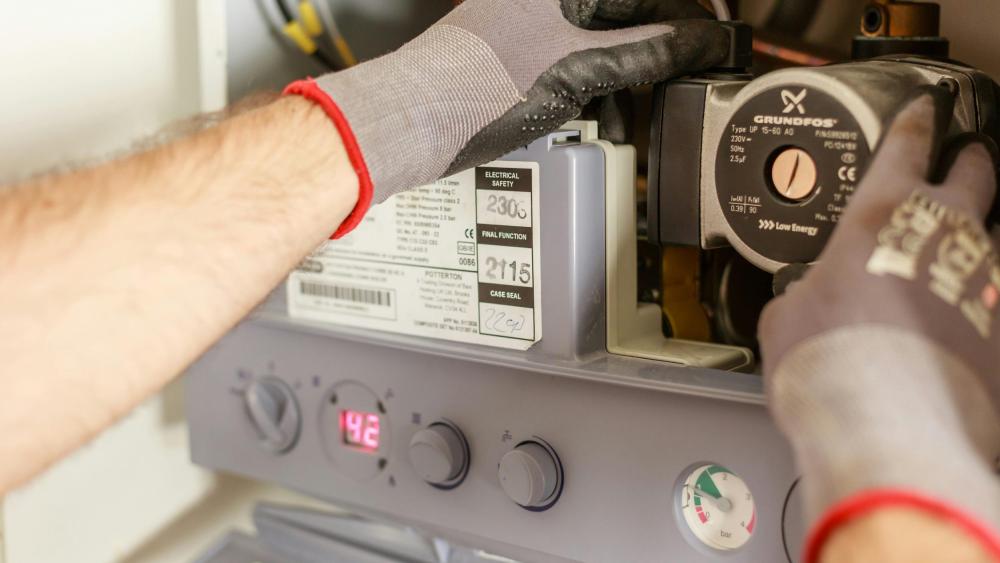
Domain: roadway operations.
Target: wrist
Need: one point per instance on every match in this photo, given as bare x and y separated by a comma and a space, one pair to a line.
874, 407
876, 524
322, 112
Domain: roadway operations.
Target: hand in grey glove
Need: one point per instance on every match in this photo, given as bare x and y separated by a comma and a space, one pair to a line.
879, 362
494, 75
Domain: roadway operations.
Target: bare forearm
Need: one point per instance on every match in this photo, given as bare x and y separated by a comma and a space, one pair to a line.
113, 279
903, 536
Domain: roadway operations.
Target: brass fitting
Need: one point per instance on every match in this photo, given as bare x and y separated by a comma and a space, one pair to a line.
681, 290
889, 18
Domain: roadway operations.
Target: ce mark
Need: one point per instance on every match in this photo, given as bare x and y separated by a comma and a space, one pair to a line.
848, 173
470, 234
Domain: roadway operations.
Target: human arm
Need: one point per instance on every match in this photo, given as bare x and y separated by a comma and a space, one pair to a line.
880, 364
113, 279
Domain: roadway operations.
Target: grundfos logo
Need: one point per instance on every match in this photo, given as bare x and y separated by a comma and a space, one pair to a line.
819, 122
794, 103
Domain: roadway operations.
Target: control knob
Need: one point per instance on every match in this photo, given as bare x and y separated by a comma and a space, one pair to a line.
274, 413
794, 174
531, 475
440, 455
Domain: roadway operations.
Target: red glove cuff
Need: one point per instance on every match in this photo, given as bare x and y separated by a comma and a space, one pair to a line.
869, 501
309, 90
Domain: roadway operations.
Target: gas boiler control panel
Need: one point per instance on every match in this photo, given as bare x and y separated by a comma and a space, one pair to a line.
529, 465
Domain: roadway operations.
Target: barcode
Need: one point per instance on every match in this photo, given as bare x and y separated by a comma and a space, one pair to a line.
347, 293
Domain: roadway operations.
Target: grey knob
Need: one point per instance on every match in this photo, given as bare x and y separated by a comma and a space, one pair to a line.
530, 475
439, 454
273, 412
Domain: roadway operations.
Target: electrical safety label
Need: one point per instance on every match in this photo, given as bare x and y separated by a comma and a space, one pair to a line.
457, 259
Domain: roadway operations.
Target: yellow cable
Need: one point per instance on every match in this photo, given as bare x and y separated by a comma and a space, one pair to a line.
344, 50
297, 33
310, 18
312, 23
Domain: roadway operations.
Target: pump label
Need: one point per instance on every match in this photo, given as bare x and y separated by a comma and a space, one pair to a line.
823, 133
457, 260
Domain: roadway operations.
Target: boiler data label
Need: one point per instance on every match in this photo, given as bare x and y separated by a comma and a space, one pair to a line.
457, 259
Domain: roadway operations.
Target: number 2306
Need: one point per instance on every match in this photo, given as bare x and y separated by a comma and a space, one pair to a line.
503, 205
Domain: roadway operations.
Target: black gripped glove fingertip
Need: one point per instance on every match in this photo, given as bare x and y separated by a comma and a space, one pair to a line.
579, 12
614, 14
713, 41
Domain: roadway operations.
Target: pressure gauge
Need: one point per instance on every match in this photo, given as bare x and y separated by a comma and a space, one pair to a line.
717, 507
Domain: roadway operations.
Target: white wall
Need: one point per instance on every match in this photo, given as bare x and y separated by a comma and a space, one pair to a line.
82, 80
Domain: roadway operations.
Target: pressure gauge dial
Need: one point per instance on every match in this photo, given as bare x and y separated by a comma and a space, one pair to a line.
717, 507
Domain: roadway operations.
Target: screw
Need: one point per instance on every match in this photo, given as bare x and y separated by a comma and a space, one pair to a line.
949, 84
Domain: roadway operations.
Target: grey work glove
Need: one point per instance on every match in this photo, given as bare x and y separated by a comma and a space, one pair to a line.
880, 363
494, 75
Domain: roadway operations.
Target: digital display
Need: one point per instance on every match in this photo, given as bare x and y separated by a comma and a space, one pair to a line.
360, 430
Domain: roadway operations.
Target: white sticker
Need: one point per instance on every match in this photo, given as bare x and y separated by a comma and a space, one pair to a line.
457, 259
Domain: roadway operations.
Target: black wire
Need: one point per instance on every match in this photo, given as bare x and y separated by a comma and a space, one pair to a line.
285, 11
327, 61
319, 55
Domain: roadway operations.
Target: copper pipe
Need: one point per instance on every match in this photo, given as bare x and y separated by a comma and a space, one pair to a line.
790, 55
